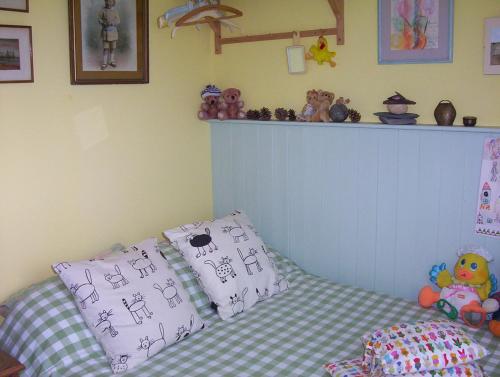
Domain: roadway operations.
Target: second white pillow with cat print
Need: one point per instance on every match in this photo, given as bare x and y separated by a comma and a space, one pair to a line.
231, 261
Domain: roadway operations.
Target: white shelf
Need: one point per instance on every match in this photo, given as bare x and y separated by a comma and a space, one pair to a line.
418, 127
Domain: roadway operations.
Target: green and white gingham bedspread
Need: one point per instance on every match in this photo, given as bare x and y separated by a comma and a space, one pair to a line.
293, 334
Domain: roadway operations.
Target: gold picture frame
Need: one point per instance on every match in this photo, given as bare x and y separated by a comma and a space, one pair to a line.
109, 42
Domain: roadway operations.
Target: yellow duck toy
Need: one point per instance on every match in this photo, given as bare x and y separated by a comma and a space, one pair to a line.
462, 293
320, 53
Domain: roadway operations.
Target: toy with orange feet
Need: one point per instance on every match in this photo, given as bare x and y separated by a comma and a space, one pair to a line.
320, 52
462, 294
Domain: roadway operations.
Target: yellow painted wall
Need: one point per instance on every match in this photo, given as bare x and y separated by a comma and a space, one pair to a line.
63, 197
62, 201
260, 69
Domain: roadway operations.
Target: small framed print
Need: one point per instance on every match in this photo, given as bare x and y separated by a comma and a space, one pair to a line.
16, 54
15, 5
492, 46
109, 41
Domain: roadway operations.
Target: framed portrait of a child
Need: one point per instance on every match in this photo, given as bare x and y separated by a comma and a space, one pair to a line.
109, 41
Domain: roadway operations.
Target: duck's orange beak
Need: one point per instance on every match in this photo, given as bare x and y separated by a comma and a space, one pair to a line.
464, 274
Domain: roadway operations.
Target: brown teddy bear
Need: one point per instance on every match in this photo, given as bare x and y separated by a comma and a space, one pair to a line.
232, 106
322, 107
211, 105
308, 109
342, 101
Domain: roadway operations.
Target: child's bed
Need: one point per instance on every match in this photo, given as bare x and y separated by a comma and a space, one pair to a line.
292, 334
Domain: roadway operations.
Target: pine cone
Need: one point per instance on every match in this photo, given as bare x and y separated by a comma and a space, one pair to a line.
265, 114
354, 115
292, 117
253, 114
281, 113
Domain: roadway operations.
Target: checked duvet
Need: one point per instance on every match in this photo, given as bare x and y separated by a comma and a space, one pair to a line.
292, 334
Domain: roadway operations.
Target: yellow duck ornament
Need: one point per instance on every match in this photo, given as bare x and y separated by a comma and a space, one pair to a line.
320, 52
462, 293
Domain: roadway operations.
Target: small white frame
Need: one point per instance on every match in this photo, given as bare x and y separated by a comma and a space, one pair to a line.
296, 59
492, 46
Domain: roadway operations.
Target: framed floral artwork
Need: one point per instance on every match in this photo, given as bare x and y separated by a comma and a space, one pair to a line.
16, 54
415, 31
109, 41
15, 5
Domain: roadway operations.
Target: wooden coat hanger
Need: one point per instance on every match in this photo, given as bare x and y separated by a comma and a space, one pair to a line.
228, 12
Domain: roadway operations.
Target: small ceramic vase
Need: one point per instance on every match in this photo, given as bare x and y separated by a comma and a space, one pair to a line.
445, 113
469, 121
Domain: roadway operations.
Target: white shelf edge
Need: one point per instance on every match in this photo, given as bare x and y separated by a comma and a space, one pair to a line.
418, 127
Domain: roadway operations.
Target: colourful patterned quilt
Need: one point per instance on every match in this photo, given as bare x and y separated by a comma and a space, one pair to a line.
292, 334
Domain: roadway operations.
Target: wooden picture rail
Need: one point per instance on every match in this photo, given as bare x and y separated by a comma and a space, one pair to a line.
338, 11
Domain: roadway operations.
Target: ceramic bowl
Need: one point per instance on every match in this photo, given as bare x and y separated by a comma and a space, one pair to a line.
469, 121
399, 108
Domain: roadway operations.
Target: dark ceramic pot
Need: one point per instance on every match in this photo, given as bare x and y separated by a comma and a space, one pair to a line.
445, 113
339, 113
469, 121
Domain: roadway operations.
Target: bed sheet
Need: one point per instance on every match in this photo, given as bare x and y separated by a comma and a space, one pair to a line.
292, 334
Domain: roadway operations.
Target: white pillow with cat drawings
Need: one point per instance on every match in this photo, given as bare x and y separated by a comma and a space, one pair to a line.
132, 301
231, 261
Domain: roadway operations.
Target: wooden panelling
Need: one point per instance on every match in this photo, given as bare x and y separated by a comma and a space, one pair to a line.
368, 205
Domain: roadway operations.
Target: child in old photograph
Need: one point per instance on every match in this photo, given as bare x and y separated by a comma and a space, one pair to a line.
109, 20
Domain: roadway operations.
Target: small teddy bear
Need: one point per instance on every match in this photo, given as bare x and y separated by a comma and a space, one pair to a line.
232, 106
342, 101
308, 109
211, 104
322, 107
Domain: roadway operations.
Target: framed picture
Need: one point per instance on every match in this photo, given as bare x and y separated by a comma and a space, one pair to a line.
109, 41
15, 5
16, 54
415, 31
492, 46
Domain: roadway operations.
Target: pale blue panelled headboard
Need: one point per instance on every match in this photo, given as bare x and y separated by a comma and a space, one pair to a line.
368, 205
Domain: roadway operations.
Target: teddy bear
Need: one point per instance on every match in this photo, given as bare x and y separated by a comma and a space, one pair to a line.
231, 106
322, 107
342, 101
308, 109
211, 104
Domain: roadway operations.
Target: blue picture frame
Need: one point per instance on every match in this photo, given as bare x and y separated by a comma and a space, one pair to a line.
443, 53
